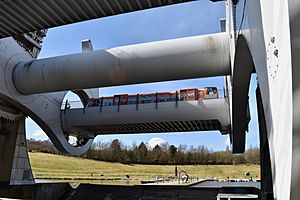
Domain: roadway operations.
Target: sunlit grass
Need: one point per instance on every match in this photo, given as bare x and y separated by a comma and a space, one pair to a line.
59, 167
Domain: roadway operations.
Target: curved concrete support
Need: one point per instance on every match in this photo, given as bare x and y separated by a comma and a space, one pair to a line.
44, 109
84, 96
265, 162
192, 57
243, 67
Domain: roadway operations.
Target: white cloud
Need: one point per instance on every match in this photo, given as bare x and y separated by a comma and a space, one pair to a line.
72, 140
227, 141
156, 141
38, 133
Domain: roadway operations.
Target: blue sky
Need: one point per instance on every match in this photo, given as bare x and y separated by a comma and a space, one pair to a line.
189, 19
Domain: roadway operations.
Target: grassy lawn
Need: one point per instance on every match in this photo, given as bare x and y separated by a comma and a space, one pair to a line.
55, 166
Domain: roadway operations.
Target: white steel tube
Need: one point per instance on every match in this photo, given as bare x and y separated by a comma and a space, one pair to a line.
184, 58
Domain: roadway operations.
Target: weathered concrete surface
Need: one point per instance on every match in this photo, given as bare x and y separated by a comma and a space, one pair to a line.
21, 171
8, 137
14, 162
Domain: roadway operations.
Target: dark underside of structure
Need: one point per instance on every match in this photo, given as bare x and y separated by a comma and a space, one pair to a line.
19, 16
156, 127
62, 191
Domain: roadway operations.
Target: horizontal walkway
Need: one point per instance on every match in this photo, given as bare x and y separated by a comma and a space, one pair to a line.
181, 116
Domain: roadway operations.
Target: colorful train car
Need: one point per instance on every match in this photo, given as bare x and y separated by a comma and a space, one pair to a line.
190, 94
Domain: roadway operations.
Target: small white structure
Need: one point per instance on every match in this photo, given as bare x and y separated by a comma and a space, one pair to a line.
236, 196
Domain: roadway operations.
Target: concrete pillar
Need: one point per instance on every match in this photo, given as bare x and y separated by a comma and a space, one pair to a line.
14, 162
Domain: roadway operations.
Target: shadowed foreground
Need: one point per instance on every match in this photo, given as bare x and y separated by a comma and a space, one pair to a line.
64, 191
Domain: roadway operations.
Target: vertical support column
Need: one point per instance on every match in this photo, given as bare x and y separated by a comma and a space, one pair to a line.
265, 162
243, 67
14, 162
21, 172
8, 136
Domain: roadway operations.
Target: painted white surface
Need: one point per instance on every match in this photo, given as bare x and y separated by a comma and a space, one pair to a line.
147, 113
268, 31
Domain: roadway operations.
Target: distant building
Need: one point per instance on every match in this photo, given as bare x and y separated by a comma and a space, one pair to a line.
183, 176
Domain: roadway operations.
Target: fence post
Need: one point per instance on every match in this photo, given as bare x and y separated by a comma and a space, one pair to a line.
156, 100
137, 102
176, 98
119, 102
101, 104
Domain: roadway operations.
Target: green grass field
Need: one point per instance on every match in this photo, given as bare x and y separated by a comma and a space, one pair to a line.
54, 166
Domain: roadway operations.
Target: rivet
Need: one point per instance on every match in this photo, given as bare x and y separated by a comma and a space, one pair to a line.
276, 52
273, 39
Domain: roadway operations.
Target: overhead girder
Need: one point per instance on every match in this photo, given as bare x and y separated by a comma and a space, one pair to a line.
184, 58
18, 16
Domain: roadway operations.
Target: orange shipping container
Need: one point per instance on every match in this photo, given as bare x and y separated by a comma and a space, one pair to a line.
189, 94
202, 93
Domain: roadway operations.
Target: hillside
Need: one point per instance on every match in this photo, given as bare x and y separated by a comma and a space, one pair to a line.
60, 167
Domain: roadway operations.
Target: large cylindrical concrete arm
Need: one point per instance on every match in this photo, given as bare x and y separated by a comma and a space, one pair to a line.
191, 57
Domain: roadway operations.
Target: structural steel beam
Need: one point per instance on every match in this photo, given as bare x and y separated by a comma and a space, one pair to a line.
184, 58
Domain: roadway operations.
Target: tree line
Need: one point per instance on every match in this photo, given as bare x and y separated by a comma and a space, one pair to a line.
116, 151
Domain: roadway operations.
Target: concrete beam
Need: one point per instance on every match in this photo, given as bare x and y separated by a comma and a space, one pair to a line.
105, 122
184, 58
